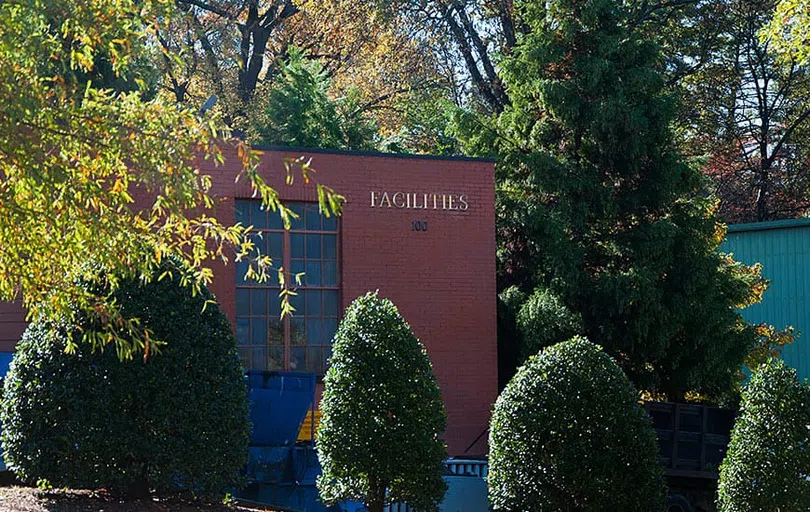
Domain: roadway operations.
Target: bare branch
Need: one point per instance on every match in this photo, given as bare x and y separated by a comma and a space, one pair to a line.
210, 8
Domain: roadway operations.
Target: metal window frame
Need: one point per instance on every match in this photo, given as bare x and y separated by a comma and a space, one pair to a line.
290, 278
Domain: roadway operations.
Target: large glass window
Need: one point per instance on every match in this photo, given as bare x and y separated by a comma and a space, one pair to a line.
303, 341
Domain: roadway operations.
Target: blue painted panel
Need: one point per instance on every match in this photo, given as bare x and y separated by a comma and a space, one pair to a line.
783, 249
5, 361
465, 494
269, 464
278, 404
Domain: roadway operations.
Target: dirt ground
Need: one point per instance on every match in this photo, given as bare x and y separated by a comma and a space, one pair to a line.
27, 499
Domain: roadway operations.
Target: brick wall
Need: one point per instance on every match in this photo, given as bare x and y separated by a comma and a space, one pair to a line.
12, 325
442, 279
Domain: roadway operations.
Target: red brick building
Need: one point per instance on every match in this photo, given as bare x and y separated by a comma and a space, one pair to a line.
420, 230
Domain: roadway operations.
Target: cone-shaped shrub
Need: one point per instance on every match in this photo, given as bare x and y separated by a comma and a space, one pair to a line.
177, 421
768, 461
379, 436
568, 433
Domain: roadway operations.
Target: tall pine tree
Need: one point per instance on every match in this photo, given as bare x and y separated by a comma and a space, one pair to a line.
597, 206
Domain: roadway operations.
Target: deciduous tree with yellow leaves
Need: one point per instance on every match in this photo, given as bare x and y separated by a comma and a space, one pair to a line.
73, 153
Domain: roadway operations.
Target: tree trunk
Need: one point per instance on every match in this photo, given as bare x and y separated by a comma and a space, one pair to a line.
375, 506
764, 188
762, 196
462, 39
376, 500
249, 77
138, 488
676, 395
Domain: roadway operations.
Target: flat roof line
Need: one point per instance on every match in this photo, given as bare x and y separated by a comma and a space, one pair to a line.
379, 154
774, 224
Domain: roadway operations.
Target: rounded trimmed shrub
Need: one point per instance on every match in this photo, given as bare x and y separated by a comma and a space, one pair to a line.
568, 433
768, 461
177, 421
379, 436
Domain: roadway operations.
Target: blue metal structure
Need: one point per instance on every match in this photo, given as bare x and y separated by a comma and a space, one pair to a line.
783, 249
278, 404
282, 474
5, 362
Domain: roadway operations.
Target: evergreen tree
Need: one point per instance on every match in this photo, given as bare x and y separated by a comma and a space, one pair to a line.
296, 110
543, 321
597, 206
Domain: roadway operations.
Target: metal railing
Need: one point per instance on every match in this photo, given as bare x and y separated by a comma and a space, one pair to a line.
473, 468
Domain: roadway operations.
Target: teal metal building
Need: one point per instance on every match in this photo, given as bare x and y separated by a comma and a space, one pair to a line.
783, 249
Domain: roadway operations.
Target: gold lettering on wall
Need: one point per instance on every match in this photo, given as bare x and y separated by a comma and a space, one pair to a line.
385, 201
419, 201
401, 202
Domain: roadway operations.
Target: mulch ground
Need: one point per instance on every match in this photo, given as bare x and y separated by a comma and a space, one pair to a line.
27, 499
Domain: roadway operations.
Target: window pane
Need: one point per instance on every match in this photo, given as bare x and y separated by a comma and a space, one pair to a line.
276, 358
298, 208
297, 268
258, 302
313, 220
275, 334
297, 358
274, 220
313, 273
296, 245
275, 304
241, 213
243, 331
314, 359
244, 357
297, 302
330, 303
314, 247
259, 359
330, 224
330, 326
314, 331
298, 333
330, 273
313, 302
330, 246
242, 301
258, 216
258, 331
241, 269
327, 354
259, 244
272, 276
275, 241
